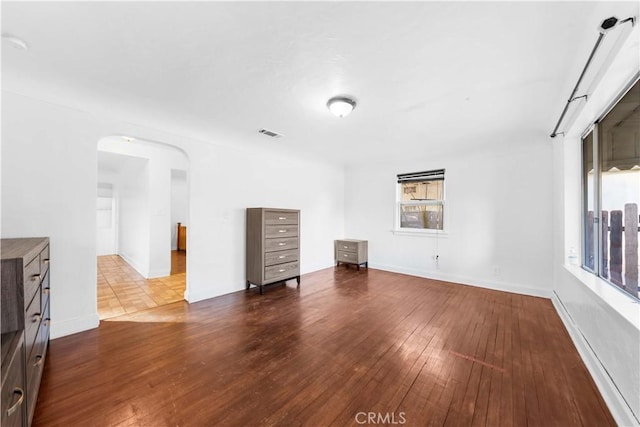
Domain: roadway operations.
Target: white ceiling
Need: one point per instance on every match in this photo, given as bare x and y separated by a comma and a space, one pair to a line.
429, 77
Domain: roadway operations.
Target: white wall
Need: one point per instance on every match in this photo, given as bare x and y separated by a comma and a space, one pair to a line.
498, 219
603, 322
179, 203
56, 196
133, 213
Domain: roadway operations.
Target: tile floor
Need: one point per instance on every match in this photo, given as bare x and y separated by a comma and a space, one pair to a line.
122, 290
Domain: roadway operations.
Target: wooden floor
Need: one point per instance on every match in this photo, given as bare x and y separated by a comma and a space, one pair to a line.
121, 289
346, 344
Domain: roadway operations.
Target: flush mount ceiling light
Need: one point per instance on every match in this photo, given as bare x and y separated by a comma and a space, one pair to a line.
16, 42
341, 106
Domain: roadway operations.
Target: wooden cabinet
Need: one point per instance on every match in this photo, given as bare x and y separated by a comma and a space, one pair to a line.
25, 315
273, 246
351, 251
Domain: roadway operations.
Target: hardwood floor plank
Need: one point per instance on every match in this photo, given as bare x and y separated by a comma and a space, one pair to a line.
345, 343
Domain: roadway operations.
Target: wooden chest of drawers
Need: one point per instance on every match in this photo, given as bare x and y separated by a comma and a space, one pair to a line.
273, 246
25, 311
351, 251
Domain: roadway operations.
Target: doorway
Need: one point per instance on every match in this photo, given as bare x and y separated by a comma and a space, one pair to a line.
137, 202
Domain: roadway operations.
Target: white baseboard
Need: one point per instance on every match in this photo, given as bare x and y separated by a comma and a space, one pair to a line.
471, 281
72, 326
134, 263
612, 397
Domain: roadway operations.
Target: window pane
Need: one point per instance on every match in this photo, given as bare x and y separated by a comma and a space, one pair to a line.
619, 141
588, 174
421, 216
422, 190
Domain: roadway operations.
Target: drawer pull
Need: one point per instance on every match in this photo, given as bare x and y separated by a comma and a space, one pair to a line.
47, 321
346, 247
36, 318
46, 261
282, 256
281, 270
282, 231
16, 405
345, 255
46, 290
39, 360
35, 277
281, 244
282, 217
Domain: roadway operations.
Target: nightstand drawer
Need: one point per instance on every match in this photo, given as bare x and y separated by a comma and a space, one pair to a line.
346, 246
343, 256
281, 270
280, 257
277, 231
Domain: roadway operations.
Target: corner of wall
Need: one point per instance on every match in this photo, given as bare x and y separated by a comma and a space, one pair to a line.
73, 326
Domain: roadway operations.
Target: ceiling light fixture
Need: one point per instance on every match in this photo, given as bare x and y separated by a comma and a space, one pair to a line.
341, 106
15, 42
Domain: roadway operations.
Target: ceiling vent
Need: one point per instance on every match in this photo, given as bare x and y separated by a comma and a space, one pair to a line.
270, 133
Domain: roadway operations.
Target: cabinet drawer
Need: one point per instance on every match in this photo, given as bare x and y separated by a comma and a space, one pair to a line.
347, 246
280, 244
280, 257
45, 291
274, 217
281, 271
284, 230
13, 394
347, 257
32, 318
31, 279
44, 261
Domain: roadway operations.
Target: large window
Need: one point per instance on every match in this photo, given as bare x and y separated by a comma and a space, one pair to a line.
421, 200
611, 183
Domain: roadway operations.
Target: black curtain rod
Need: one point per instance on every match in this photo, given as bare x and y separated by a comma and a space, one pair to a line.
605, 26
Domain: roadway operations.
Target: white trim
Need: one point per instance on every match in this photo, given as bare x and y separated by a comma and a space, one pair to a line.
73, 326
420, 232
515, 288
610, 393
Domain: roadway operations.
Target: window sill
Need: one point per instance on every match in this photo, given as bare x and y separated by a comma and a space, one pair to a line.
624, 304
420, 233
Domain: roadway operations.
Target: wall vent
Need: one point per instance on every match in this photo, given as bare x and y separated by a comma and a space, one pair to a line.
270, 133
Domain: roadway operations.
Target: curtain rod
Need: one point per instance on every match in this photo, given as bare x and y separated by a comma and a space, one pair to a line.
605, 26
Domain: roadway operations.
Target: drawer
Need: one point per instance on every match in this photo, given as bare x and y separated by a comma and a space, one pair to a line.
281, 271
32, 318
347, 246
344, 256
275, 217
35, 362
281, 244
284, 230
13, 392
31, 279
280, 257
44, 261
45, 291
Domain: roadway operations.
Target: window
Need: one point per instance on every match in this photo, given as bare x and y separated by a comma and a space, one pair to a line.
421, 200
611, 185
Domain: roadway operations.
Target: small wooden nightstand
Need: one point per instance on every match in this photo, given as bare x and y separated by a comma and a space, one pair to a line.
351, 251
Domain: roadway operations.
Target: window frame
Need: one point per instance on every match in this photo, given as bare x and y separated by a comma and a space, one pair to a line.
398, 229
594, 130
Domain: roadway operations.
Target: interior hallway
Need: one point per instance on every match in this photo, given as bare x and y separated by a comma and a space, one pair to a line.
122, 290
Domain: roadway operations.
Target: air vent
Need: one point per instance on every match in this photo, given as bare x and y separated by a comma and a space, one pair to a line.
270, 133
